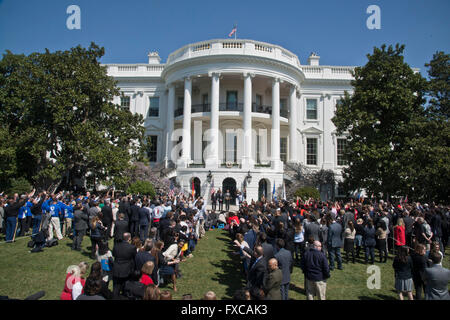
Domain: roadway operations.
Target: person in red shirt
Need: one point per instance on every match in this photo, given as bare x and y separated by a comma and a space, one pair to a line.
399, 234
147, 270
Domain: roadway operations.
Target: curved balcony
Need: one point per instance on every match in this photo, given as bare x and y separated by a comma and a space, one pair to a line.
223, 106
233, 47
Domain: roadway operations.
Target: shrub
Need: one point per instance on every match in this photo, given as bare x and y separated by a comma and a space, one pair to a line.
143, 188
307, 192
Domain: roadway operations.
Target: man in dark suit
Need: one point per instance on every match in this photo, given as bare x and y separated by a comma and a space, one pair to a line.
285, 263
80, 225
120, 228
124, 254
213, 201
124, 207
134, 221
436, 279
107, 217
219, 197
334, 244
258, 268
409, 222
144, 221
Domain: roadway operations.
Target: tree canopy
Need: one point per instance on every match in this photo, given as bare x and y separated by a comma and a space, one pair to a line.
396, 145
58, 118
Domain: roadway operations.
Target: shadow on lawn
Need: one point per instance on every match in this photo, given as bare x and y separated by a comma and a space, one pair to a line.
231, 272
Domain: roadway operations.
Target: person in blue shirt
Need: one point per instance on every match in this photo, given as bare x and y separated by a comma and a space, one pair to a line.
55, 211
67, 208
28, 216
22, 220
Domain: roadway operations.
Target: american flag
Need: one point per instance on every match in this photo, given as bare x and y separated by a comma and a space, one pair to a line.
233, 31
171, 191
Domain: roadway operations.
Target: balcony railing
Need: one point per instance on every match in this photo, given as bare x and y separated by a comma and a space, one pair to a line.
205, 107
235, 106
261, 108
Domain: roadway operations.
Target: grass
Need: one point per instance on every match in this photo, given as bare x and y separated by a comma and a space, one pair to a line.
213, 267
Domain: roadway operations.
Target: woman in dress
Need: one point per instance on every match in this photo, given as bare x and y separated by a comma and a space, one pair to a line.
403, 267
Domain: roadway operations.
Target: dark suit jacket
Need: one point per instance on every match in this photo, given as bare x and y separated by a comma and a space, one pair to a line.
124, 254
80, 220
141, 258
124, 207
285, 263
120, 228
334, 235
134, 213
272, 284
256, 273
107, 215
144, 216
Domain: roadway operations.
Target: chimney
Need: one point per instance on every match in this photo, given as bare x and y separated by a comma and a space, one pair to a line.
153, 58
313, 59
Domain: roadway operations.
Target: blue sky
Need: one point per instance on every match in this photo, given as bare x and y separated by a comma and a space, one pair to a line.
128, 30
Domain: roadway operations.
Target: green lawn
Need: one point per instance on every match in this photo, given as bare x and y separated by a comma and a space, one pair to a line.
213, 267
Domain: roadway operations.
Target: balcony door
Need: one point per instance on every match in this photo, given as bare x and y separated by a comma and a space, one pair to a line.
232, 100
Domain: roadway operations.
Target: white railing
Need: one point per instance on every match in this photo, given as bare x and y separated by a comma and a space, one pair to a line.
223, 46
232, 45
127, 68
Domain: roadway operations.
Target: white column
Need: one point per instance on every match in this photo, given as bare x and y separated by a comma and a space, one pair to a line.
169, 125
247, 161
185, 159
328, 146
275, 136
212, 160
293, 157
198, 143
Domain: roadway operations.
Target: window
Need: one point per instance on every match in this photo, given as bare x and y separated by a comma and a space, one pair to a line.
284, 108
311, 109
152, 151
311, 151
258, 151
125, 102
259, 100
341, 144
232, 101
283, 104
205, 99
180, 102
153, 111
283, 149
231, 147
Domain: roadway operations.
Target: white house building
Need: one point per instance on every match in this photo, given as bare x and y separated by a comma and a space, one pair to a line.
220, 111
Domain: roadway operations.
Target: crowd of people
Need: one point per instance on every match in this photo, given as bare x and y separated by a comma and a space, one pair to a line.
152, 236
272, 235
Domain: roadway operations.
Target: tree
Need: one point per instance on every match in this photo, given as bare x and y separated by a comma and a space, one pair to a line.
60, 115
431, 143
380, 119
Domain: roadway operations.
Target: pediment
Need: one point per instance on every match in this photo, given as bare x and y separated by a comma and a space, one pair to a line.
311, 130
